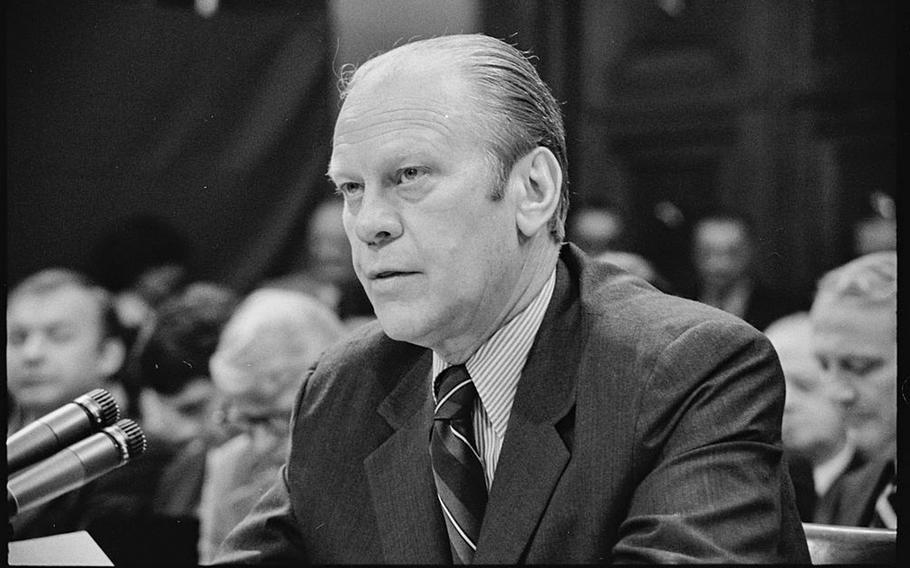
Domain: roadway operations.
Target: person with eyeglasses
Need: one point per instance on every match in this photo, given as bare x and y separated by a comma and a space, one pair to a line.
262, 357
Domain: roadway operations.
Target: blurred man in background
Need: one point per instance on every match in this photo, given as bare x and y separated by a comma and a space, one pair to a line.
259, 366
597, 229
723, 252
326, 271
813, 429
63, 340
854, 322
147, 512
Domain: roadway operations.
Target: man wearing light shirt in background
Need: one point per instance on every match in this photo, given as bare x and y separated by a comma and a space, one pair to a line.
581, 415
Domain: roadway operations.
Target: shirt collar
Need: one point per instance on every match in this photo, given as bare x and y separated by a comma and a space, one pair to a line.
496, 366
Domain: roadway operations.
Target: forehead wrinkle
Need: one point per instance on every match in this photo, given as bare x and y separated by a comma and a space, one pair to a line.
407, 117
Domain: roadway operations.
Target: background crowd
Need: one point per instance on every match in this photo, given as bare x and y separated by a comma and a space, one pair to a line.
211, 373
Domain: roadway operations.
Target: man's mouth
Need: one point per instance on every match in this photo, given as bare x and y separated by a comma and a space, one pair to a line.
386, 274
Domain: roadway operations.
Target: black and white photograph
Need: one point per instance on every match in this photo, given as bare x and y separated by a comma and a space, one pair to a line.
297, 282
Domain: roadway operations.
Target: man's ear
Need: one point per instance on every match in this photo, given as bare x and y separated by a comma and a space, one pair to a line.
539, 183
112, 356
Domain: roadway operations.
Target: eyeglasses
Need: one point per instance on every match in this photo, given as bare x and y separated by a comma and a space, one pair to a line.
234, 420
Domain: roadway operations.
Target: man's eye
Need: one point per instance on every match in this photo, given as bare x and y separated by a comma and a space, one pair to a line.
349, 189
861, 365
60, 334
410, 174
16, 338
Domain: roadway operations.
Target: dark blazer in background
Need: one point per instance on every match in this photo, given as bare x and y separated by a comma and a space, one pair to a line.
851, 500
645, 428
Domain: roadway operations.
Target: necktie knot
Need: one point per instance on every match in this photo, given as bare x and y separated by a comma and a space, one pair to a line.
455, 393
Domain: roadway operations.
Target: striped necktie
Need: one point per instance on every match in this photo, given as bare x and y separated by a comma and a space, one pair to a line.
457, 469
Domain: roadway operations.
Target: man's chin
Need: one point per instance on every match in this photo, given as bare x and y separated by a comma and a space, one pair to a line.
403, 327
39, 401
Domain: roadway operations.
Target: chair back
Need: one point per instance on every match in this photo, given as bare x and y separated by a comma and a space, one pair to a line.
830, 544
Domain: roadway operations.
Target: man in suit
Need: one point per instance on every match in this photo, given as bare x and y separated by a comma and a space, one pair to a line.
813, 429
854, 323
63, 340
515, 402
723, 256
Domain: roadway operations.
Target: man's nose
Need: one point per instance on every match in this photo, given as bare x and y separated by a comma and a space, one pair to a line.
840, 388
377, 220
33, 349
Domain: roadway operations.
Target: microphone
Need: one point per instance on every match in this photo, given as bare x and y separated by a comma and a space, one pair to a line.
74, 466
55, 431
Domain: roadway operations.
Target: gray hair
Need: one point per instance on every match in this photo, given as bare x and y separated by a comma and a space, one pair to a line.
270, 341
516, 106
870, 280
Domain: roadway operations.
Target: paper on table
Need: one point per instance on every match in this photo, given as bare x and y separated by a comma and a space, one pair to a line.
68, 549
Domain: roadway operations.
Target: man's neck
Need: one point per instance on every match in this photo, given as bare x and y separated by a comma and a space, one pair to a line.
535, 273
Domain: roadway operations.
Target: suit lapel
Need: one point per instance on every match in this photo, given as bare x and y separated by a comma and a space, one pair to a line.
400, 475
534, 454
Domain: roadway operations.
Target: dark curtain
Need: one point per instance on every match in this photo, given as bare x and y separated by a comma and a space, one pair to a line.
222, 125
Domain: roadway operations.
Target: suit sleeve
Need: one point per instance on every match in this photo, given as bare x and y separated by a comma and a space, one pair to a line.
268, 534
712, 482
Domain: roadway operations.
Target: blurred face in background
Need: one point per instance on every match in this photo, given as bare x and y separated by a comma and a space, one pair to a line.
721, 253
813, 423
177, 418
856, 347
329, 251
56, 349
597, 230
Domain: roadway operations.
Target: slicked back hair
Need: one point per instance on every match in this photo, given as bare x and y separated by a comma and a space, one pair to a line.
515, 107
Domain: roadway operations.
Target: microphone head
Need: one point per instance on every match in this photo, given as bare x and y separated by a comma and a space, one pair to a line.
130, 438
101, 407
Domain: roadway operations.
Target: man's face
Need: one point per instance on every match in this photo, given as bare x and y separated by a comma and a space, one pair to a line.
813, 424
857, 351
596, 230
437, 257
180, 417
328, 248
54, 347
721, 253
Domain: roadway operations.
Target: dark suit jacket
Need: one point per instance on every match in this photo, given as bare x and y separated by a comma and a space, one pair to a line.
812, 507
851, 500
645, 428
